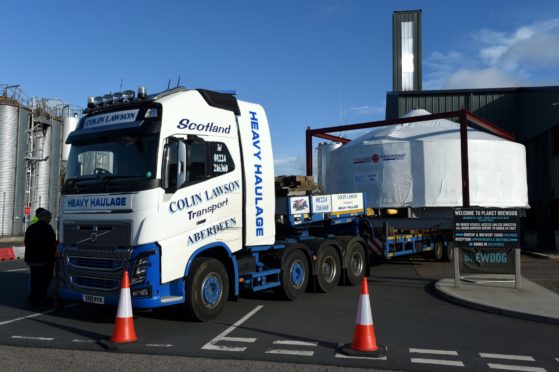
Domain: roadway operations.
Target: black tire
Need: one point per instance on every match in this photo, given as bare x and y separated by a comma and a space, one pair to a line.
449, 251
328, 269
438, 250
294, 275
207, 287
356, 264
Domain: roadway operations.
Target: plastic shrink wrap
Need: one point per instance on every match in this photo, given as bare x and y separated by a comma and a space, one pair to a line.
418, 165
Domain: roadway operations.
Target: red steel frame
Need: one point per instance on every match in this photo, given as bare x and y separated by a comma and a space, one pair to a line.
463, 115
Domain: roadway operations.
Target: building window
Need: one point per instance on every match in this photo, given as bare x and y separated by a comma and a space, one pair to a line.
407, 56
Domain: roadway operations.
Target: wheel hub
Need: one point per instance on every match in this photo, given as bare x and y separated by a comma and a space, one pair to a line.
212, 290
297, 274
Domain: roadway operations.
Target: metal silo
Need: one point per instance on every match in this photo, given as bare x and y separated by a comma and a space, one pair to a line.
70, 124
324, 149
14, 122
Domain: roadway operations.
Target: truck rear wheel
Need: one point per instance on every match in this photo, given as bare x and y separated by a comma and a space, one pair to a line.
328, 269
438, 251
207, 286
449, 251
295, 275
356, 264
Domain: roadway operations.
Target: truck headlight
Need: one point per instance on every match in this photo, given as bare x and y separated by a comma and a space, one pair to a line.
140, 270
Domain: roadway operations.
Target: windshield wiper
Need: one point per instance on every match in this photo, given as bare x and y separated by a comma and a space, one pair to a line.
106, 180
71, 184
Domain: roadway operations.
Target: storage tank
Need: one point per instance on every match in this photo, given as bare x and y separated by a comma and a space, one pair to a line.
14, 122
69, 125
324, 149
419, 165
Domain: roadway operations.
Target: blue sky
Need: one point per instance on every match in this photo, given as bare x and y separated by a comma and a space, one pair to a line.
308, 62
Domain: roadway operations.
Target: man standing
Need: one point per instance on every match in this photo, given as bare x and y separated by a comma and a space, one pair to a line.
40, 250
35, 219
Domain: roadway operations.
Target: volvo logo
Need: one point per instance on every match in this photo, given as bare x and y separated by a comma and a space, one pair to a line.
93, 237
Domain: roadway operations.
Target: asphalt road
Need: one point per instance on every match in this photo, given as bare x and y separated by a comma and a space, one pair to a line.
422, 332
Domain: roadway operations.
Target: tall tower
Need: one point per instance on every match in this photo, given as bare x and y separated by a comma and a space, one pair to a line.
406, 45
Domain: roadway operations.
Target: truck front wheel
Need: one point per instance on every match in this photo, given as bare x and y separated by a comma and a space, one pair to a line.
206, 287
294, 275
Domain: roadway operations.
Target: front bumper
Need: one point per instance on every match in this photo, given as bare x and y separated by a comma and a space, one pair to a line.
95, 275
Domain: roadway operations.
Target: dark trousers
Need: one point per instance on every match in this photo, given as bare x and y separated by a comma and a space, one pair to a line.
41, 277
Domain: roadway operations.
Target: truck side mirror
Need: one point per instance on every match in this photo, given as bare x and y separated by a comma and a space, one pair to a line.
174, 165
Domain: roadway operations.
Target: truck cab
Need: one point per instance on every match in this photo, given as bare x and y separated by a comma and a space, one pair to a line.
160, 185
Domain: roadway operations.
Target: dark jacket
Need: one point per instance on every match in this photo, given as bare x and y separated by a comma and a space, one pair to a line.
40, 243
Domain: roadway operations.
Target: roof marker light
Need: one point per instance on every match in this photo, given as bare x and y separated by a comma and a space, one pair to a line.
107, 99
128, 95
117, 97
97, 101
90, 101
142, 92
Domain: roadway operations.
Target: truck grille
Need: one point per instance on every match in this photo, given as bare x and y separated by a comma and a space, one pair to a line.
95, 263
95, 284
96, 270
98, 234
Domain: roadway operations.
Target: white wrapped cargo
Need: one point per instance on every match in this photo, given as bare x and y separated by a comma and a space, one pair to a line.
418, 165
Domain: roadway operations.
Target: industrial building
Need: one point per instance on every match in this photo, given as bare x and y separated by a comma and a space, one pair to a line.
32, 156
530, 113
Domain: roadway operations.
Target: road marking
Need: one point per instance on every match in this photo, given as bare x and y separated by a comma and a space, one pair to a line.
437, 352
34, 338
239, 339
455, 363
159, 345
223, 335
526, 358
295, 343
83, 341
26, 317
343, 356
516, 368
33, 315
307, 353
441, 362
12, 270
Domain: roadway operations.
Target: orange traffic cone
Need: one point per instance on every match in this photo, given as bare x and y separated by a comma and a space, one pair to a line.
364, 339
124, 324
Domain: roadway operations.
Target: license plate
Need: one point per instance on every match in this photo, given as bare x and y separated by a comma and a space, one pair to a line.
93, 299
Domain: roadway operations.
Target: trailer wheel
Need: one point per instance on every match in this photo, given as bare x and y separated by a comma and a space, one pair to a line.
207, 286
438, 251
356, 264
295, 275
328, 269
449, 251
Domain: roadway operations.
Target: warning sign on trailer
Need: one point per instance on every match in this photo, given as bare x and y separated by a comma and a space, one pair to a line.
487, 238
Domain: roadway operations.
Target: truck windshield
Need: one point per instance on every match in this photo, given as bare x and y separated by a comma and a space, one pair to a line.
112, 164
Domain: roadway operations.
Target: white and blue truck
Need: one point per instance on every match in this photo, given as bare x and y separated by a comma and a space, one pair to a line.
178, 189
